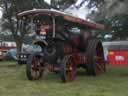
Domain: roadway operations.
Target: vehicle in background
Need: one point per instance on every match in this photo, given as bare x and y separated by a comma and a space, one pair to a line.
114, 45
2, 56
116, 53
11, 54
5, 47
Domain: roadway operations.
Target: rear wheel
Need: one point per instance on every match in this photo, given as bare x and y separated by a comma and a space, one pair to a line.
34, 67
68, 69
95, 55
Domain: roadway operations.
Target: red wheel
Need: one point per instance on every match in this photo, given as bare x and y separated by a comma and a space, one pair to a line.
68, 69
34, 67
95, 55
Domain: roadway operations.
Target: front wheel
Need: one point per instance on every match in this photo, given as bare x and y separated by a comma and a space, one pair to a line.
34, 67
68, 69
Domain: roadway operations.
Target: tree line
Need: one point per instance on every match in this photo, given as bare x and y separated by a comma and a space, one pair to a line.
112, 13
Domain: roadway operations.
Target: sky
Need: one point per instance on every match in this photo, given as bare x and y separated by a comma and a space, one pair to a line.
81, 13
48, 1
0, 12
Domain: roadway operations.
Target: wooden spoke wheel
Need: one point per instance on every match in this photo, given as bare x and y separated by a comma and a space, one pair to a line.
34, 67
95, 62
68, 69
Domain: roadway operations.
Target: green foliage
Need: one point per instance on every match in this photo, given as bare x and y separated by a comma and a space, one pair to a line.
10, 22
115, 7
117, 26
63, 4
120, 26
107, 8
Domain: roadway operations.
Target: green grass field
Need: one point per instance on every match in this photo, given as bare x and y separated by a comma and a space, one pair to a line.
13, 82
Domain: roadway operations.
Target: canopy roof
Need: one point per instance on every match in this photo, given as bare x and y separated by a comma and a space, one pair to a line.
55, 13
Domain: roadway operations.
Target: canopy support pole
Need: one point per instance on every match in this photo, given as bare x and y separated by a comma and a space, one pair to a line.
54, 25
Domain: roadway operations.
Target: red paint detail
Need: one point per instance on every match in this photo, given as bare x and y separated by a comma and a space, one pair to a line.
53, 68
76, 40
50, 67
80, 58
6, 48
71, 69
68, 49
35, 64
84, 22
2, 57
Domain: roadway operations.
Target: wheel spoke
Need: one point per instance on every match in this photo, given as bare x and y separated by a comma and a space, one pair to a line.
95, 64
99, 68
36, 68
99, 62
70, 69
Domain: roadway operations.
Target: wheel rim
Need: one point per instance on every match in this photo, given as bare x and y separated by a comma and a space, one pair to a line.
70, 69
99, 59
36, 68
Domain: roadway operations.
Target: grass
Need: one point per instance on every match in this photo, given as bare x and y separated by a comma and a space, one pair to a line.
13, 82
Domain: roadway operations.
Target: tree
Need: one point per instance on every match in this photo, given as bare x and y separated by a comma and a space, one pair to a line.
113, 14
119, 25
115, 7
12, 7
10, 22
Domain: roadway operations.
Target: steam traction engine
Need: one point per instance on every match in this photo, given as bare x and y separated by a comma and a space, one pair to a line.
66, 44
